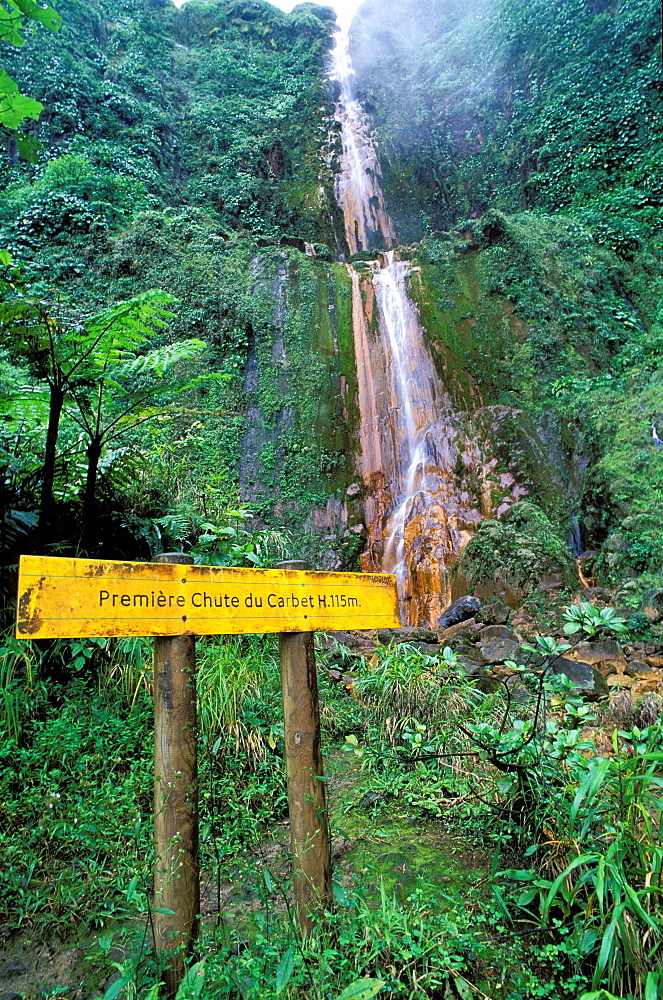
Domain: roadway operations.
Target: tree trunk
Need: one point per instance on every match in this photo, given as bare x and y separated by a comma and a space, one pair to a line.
93, 456
46, 505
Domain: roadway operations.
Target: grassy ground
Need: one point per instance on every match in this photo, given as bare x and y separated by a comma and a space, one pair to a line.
481, 848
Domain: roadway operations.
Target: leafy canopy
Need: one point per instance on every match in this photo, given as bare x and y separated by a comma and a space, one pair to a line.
15, 107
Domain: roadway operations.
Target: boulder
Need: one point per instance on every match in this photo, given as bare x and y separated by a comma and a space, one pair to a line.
467, 628
493, 632
500, 650
471, 667
476, 672
459, 611
637, 668
429, 648
585, 676
495, 613
595, 652
386, 636
652, 606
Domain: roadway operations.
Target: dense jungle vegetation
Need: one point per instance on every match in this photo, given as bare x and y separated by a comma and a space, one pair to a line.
177, 371
188, 150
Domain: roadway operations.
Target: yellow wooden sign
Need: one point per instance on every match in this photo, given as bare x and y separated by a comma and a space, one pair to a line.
73, 598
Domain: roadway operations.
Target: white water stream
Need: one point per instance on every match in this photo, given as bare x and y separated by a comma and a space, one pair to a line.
358, 191
417, 517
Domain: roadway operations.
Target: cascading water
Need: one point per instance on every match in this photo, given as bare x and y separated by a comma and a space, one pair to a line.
358, 191
417, 515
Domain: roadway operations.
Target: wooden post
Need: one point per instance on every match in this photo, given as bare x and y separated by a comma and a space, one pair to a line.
309, 826
176, 867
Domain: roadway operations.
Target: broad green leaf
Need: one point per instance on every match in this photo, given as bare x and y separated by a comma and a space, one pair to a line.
593, 781
15, 107
606, 945
651, 986
192, 984
131, 888
463, 988
561, 878
362, 989
28, 147
284, 970
44, 15
116, 988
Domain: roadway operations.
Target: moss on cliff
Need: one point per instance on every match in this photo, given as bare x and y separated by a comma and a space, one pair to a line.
517, 551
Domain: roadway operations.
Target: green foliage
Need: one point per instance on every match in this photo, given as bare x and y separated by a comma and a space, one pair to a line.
610, 893
516, 104
69, 803
593, 621
520, 549
401, 682
95, 372
15, 108
226, 118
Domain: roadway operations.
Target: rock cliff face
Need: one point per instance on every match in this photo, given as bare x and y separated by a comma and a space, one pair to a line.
385, 409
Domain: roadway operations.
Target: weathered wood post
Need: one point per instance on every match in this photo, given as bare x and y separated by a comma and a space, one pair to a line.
176, 867
309, 824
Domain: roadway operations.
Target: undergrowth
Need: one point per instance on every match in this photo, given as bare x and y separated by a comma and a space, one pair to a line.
570, 904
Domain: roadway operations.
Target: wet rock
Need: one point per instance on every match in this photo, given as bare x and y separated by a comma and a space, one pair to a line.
471, 667
460, 634
341, 845
459, 611
296, 242
607, 668
463, 648
14, 968
500, 650
493, 632
619, 681
495, 613
373, 800
551, 581
476, 673
528, 659
423, 635
10, 996
429, 648
469, 627
596, 652
386, 636
653, 613
637, 668
585, 676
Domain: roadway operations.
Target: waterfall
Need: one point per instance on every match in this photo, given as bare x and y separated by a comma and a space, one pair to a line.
417, 516
358, 191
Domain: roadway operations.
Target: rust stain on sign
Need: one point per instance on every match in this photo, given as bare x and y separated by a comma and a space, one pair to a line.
73, 598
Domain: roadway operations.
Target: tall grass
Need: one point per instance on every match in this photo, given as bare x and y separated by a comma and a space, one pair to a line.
18, 684
238, 693
401, 682
237, 681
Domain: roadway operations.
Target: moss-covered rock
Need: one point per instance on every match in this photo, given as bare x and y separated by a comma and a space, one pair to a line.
517, 552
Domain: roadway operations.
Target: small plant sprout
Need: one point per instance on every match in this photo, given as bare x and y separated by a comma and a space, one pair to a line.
548, 645
352, 746
592, 621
